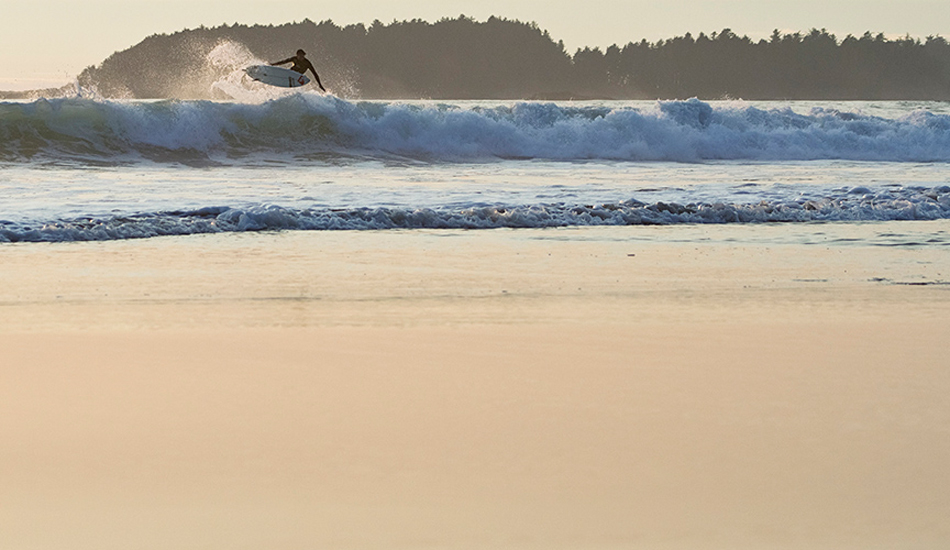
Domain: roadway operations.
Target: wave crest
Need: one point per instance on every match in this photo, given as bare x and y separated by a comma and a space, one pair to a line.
303, 125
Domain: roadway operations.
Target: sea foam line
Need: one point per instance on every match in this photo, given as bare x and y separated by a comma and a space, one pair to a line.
917, 204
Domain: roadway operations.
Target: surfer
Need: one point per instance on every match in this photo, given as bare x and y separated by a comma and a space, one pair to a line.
301, 64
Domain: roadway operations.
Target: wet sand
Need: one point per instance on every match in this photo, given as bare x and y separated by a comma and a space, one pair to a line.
589, 388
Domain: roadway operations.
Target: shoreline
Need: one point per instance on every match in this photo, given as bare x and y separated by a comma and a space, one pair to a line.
617, 275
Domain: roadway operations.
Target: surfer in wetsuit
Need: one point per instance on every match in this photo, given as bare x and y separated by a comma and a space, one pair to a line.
301, 65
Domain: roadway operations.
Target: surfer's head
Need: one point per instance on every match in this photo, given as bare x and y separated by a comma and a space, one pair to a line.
301, 53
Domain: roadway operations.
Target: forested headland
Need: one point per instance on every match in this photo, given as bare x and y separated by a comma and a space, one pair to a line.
463, 58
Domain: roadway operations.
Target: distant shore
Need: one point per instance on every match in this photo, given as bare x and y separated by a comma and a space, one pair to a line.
63, 91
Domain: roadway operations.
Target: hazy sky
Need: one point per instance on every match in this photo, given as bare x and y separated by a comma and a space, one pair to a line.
47, 42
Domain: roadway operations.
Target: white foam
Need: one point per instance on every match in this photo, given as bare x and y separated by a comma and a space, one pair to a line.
904, 204
683, 131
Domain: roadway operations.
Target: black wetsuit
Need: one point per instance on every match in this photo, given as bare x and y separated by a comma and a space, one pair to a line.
302, 66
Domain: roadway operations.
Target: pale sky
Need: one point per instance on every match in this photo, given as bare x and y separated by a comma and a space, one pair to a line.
48, 42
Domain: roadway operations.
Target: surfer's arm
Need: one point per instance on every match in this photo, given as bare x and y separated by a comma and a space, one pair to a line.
288, 60
316, 77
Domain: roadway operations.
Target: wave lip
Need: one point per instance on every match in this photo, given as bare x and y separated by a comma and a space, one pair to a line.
857, 204
303, 125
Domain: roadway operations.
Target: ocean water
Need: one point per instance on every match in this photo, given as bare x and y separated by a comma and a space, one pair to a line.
77, 169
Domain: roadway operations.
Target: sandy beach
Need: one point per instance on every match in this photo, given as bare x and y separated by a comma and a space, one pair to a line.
753, 386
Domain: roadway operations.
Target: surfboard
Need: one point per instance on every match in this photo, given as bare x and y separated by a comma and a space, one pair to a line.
277, 76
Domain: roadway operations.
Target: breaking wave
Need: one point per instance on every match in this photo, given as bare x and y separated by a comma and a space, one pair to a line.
309, 126
856, 204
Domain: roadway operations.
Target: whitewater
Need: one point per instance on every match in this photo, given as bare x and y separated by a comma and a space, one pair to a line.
77, 169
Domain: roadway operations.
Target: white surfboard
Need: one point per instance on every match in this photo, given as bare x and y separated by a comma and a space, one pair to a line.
277, 76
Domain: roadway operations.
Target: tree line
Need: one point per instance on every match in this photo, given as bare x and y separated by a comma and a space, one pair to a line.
462, 58
815, 65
